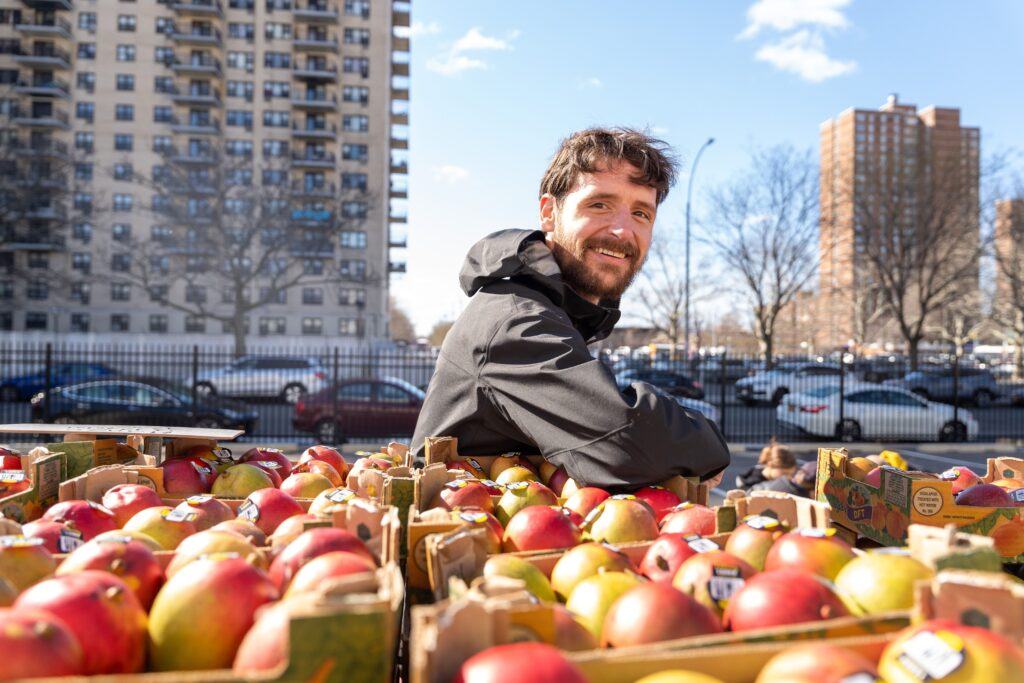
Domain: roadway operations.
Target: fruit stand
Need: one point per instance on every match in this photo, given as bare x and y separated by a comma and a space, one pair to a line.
173, 554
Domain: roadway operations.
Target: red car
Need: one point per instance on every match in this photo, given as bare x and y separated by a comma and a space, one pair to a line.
365, 408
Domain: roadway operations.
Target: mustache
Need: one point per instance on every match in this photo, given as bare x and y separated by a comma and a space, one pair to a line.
612, 245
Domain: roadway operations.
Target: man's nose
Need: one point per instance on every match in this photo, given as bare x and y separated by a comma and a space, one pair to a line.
622, 226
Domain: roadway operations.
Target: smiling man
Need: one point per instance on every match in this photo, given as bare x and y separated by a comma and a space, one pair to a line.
515, 373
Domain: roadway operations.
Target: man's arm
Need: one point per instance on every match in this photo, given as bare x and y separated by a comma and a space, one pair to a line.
540, 375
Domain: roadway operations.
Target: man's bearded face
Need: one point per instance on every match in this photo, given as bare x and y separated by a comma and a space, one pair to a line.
600, 232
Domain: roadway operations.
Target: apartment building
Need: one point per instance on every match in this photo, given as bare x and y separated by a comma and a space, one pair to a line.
307, 97
867, 158
1009, 249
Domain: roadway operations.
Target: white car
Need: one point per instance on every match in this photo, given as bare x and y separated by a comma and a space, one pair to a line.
769, 386
285, 377
873, 413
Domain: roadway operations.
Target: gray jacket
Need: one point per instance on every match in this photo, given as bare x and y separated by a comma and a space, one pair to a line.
515, 374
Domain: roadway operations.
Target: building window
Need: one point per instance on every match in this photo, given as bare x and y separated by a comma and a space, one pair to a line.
353, 270
87, 50
83, 171
273, 177
277, 60
81, 292
82, 201
124, 142
352, 297
162, 114
354, 210
6, 290
36, 320
269, 295
163, 84
313, 296
276, 119
85, 80
241, 31
240, 89
37, 290
164, 25
120, 291
122, 202
85, 111
239, 117
312, 326
163, 55
355, 93
82, 232
121, 232
275, 31
120, 263
353, 181
195, 324
125, 22
352, 152
356, 65
358, 8
79, 322
158, 292
126, 53
119, 322
82, 262
275, 148
349, 327
83, 141
355, 123
87, 21
241, 60
195, 294
229, 326
272, 89
6, 321
353, 239
272, 326
357, 36
125, 82
158, 322
312, 266
238, 148
124, 112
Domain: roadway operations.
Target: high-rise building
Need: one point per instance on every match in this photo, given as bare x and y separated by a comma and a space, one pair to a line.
1009, 247
308, 98
887, 164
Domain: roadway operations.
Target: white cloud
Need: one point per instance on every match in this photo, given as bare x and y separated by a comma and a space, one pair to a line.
455, 60
592, 82
785, 15
419, 28
450, 174
803, 53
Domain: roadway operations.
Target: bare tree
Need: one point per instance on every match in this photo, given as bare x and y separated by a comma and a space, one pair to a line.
235, 236
401, 327
763, 226
918, 236
662, 291
1008, 308
438, 332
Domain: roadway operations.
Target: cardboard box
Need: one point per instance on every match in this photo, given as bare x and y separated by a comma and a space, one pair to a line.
992, 600
884, 514
461, 551
495, 612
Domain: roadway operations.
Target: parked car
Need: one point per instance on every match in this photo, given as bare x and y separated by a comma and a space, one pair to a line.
879, 369
769, 386
285, 377
23, 387
366, 408
936, 384
873, 412
140, 401
672, 383
735, 368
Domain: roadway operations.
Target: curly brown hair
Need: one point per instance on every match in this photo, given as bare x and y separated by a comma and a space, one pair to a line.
588, 151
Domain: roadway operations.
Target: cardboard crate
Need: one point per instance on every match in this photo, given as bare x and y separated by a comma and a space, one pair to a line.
991, 600
462, 551
498, 611
885, 513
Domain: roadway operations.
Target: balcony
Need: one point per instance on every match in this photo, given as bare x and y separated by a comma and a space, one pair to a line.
197, 66
400, 94
398, 243
44, 56
313, 218
197, 36
311, 159
206, 8
315, 43
401, 118
42, 182
197, 157
41, 149
401, 167
315, 12
398, 192
399, 68
398, 218
49, 5
197, 96
396, 267
400, 17
320, 132
321, 190
196, 127
50, 212
43, 119
318, 102
44, 28
399, 44
399, 143
315, 71
38, 87
311, 248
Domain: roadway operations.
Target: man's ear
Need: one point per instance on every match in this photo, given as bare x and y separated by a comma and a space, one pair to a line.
548, 206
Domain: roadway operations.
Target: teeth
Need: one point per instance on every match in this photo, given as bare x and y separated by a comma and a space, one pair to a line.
609, 252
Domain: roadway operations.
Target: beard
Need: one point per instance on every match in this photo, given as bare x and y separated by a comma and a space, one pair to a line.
602, 282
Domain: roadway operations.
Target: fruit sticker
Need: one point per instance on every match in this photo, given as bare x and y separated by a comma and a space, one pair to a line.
624, 496
949, 475
96, 506
341, 495
724, 582
202, 470
269, 464
700, 544
249, 510
518, 485
761, 522
613, 548
1017, 495
12, 476
179, 514
69, 539
475, 463
14, 541
124, 540
223, 454
931, 656
685, 505
473, 517
457, 484
199, 500
816, 533
860, 677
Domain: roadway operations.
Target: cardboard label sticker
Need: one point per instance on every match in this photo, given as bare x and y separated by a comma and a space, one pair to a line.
930, 656
927, 501
12, 476
341, 495
17, 541
700, 544
761, 522
249, 510
180, 514
69, 539
199, 500
724, 582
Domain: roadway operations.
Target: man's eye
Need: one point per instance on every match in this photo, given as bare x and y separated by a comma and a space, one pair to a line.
642, 214
598, 205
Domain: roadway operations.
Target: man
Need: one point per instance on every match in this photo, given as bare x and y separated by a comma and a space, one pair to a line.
515, 374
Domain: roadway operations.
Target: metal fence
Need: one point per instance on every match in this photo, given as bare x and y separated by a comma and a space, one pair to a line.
303, 395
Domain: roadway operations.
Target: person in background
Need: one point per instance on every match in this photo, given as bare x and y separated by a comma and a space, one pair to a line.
800, 483
775, 461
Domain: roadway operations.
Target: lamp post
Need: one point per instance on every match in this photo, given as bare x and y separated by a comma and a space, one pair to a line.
686, 303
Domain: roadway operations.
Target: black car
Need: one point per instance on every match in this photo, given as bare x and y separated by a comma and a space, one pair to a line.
139, 401
673, 383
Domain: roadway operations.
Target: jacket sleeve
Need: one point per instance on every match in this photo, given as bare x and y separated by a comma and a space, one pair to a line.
540, 375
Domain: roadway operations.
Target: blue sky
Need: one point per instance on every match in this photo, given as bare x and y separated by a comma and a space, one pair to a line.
496, 85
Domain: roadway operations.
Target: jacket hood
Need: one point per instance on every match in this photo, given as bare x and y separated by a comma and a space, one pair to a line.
523, 256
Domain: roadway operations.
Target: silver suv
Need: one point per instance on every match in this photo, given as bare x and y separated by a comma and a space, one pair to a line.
286, 377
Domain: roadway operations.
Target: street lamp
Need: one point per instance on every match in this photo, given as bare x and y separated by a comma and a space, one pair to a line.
686, 304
